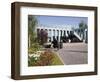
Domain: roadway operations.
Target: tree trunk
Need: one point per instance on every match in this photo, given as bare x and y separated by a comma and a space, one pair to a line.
29, 42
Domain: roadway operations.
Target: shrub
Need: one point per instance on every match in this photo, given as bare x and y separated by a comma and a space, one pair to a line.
35, 47
44, 59
31, 61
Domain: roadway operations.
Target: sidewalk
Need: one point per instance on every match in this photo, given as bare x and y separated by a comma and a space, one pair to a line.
73, 53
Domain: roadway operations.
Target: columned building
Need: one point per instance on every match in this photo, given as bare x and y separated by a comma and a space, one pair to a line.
59, 31
55, 31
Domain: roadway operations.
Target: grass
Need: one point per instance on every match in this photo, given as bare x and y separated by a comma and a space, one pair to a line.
56, 60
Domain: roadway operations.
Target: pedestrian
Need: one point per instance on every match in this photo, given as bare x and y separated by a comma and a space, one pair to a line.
55, 43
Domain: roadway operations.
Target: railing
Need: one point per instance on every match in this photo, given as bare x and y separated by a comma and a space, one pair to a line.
78, 35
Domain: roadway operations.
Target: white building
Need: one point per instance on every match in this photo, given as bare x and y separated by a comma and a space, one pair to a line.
58, 31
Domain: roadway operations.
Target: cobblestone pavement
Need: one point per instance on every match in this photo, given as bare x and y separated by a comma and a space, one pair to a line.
73, 53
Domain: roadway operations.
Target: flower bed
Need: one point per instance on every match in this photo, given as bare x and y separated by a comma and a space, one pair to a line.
44, 58
41, 58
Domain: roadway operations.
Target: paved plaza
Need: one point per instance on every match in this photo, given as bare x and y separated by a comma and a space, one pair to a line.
73, 53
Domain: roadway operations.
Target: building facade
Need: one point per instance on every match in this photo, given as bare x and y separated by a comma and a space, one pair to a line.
62, 32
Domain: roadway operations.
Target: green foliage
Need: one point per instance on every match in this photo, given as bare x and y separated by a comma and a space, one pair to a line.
31, 61
56, 60
32, 23
45, 59
35, 47
82, 25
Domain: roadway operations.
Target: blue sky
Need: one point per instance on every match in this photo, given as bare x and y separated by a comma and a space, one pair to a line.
60, 20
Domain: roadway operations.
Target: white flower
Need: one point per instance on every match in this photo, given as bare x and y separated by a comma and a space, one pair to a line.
37, 54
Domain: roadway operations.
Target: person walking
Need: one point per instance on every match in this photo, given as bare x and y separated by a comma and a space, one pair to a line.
55, 43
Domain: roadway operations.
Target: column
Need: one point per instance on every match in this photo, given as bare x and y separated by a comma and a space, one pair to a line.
62, 32
59, 36
51, 34
66, 33
56, 33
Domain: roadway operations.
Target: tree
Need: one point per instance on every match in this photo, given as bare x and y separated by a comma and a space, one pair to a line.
82, 25
32, 23
42, 36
